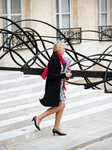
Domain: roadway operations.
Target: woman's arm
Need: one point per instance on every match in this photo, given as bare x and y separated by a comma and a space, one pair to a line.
52, 70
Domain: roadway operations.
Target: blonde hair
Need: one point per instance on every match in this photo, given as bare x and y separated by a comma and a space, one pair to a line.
58, 45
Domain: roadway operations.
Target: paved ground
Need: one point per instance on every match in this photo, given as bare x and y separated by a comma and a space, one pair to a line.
84, 135
103, 145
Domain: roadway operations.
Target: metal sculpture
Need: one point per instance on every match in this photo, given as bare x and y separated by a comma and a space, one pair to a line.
29, 38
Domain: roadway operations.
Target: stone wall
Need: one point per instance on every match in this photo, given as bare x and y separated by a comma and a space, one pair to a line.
75, 13
0, 15
110, 12
1, 37
44, 10
27, 12
85, 15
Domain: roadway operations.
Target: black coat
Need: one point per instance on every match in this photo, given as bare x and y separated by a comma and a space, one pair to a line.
53, 82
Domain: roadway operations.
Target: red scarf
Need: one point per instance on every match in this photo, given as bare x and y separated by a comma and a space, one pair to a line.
44, 74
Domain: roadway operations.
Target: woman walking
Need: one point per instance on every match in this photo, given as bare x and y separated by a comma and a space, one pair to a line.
54, 96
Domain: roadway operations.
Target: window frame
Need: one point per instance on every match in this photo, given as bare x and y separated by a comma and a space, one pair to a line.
104, 12
9, 14
60, 14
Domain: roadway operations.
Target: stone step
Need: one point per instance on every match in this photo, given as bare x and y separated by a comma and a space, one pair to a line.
88, 103
20, 100
12, 92
19, 103
9, 75
27, 108
25, 119
73, 89
84, 94
29, 98
93, 137
35, 87
24, 80
78, 136
30, 132
19, 110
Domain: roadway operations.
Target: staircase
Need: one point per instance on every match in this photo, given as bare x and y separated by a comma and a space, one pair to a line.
19, 103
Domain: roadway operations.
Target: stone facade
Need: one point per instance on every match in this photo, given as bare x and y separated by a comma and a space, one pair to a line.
0, 13
1, 39
85, 15
27, 12
111, 12
46, 13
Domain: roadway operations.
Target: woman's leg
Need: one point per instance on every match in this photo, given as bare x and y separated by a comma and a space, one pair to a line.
48, 112
58, 118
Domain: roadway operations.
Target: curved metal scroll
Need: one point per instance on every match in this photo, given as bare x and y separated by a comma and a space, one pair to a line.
36, 44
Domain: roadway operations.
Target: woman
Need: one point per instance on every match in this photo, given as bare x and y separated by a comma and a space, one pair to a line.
54, 96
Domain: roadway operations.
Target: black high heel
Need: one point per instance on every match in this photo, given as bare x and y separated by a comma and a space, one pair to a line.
59, 133
34, 119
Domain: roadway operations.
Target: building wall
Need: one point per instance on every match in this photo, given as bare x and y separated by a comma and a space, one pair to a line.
75, 13
7, 61
85, 15
110, 12
0, 13
44, 10
27, 12
1, 39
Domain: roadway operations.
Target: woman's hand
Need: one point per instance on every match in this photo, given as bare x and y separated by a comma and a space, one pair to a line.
68, 69
68, 74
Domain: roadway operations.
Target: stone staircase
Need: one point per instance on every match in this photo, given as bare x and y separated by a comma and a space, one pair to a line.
19, 102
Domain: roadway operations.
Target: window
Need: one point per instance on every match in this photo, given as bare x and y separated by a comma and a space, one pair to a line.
14, 10
64, 13
104, 16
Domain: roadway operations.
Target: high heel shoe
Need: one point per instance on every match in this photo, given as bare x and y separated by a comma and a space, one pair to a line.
59, 133
34, 119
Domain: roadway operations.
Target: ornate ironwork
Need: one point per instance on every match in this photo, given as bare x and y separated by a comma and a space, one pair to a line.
15, 42
107, 36
40, 57
72, 34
